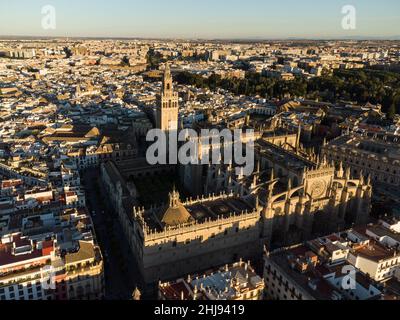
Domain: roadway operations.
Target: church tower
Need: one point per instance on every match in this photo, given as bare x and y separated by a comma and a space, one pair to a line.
167, 109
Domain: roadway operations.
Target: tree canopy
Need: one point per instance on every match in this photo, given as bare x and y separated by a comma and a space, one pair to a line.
361, 86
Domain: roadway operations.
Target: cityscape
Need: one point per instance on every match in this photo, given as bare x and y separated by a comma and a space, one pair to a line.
204, 169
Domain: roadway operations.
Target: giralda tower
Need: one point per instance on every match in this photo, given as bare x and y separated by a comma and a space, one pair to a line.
167, 109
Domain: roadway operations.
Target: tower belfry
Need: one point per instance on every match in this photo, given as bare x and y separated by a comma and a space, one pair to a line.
167, 109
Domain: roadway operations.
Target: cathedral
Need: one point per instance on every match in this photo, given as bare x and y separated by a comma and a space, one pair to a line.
291, 196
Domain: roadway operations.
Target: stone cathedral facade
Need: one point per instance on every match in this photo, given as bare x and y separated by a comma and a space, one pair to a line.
290, 197
242, 216
287, 200
298, 201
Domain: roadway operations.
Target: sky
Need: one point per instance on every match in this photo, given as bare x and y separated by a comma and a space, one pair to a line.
205, 19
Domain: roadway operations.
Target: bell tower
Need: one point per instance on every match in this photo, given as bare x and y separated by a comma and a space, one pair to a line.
174, 200
167, 109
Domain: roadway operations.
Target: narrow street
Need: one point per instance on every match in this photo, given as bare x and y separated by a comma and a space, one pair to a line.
119, 265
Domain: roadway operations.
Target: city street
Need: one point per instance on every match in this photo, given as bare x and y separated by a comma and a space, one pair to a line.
120, 268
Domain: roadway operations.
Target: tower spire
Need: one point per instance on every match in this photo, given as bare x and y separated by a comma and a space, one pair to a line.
167, 111
167, 81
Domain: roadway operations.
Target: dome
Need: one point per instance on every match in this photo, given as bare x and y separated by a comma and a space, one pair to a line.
176, 213
175, 216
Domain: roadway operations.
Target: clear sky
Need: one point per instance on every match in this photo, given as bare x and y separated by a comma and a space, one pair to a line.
201, 18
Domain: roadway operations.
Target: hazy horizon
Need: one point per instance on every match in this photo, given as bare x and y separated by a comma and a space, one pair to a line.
214, 20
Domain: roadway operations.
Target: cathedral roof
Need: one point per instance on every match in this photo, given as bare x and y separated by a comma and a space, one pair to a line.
176, 213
